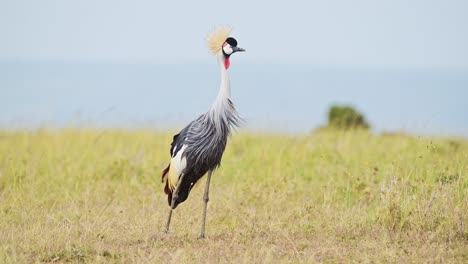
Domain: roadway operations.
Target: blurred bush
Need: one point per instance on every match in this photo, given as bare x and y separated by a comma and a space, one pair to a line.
346, 117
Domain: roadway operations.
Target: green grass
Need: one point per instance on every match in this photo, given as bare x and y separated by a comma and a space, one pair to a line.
96, 196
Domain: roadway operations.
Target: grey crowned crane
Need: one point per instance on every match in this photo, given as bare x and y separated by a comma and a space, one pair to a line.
197, 149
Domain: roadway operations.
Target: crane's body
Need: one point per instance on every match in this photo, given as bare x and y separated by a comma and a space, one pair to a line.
199, 147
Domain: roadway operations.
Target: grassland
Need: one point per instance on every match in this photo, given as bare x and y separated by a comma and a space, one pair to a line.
81, 195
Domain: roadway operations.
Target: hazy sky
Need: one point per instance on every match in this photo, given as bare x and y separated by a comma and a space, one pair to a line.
364, 33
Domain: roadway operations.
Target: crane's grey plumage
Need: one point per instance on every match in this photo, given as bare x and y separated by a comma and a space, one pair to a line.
205, 139
199, 147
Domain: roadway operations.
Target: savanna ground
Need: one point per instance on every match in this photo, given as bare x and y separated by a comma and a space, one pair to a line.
79, 195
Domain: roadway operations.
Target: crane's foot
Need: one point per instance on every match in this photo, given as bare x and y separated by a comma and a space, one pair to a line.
202, 236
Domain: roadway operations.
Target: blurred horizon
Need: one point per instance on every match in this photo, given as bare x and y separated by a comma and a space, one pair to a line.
272, 98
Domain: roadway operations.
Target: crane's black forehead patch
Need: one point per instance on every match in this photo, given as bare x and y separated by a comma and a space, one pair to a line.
232, 41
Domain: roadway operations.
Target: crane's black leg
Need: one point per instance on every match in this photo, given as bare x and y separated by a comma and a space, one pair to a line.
168, 221
206, 198
175, 195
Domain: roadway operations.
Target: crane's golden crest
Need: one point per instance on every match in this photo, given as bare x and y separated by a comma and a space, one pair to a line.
217, 37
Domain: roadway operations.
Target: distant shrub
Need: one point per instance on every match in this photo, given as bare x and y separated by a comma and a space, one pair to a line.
346, 117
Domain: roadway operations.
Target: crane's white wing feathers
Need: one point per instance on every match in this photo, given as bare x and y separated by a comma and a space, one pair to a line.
178, 164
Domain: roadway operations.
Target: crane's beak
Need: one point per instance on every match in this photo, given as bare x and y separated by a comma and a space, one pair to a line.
236, 49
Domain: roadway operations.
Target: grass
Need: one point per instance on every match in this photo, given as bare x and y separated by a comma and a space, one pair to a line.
79, 195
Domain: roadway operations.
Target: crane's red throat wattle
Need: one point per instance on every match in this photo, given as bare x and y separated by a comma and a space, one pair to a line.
227, 63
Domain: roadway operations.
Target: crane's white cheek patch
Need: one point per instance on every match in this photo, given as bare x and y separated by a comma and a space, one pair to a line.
227, 49
178, 164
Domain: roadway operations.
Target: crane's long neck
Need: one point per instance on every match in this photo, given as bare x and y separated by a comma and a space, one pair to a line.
222, 112
225, 87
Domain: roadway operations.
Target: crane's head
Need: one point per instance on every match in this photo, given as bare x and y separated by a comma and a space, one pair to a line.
221, 44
